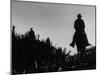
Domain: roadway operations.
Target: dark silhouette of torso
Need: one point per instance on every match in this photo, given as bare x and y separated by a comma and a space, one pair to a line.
79, 25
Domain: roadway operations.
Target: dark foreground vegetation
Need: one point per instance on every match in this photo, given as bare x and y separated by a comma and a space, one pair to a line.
32, 55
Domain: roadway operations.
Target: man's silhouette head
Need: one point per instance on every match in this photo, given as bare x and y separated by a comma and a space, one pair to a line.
79, 15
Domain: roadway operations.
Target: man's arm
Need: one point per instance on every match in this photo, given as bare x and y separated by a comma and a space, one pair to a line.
75, 25
83, 24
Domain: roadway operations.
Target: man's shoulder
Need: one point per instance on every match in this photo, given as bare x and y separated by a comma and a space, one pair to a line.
81, 19
77, 20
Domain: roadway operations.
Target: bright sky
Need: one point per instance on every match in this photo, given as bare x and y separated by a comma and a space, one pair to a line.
53, 20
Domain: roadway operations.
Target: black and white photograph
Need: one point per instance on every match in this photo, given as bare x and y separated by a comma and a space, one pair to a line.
52, 37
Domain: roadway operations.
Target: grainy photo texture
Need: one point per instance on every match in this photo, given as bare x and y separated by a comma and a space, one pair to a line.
52, 37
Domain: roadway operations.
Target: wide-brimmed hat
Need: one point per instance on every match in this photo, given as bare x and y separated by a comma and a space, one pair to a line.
79, 15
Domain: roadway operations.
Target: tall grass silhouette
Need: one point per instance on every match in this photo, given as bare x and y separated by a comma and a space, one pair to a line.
31, 55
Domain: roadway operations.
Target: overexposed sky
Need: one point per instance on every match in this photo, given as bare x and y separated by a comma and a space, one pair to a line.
53, 20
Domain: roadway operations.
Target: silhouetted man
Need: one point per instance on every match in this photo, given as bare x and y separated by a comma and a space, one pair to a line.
79, 38
31, 34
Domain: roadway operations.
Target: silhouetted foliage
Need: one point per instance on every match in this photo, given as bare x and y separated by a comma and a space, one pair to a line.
31, 55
